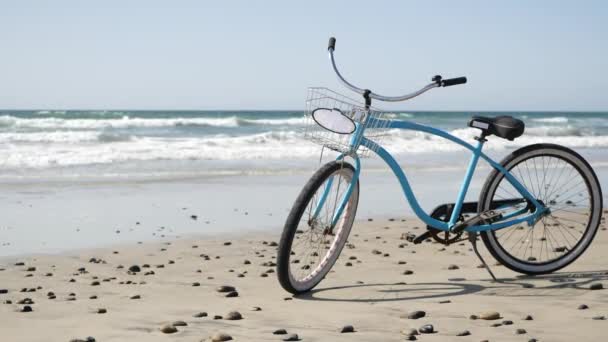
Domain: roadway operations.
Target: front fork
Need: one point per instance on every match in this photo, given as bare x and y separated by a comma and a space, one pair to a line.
354, 144
345, 198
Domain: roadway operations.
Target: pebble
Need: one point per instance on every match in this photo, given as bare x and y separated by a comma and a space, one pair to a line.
292, 337
598, 318
596, 286
426, 329
583, 307
507, 322
416, 314
179, 324
134, 269
232, 294
490, 315
464, 333
168, 329
520, 331
225, 288
408, 272
453, 267
256, 308
347, 329
280, 332
135, 297
3, 291
234, 316
409, 332
27, 308
88, 339
102, 311
199, 315
221, 337
528, 318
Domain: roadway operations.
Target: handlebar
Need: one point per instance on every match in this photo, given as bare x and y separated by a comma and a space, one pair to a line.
437, 81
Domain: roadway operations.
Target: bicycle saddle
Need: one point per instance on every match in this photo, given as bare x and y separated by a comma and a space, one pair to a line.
505, 127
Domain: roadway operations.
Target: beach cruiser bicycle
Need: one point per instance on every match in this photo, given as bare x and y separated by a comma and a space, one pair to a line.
538, 210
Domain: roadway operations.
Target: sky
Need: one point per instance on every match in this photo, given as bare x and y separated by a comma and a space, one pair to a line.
118, 54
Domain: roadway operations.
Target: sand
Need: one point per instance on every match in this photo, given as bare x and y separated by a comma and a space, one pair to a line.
371, 295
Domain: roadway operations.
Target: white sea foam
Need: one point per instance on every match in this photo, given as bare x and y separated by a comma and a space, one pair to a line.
128, 122
42, 150
558, 119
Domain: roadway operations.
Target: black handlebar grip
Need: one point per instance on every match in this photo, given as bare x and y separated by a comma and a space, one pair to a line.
453, 81
332, 44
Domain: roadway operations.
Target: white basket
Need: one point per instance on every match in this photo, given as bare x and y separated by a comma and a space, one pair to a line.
352, 109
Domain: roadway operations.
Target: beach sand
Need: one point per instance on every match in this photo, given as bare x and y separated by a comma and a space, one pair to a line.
179, 278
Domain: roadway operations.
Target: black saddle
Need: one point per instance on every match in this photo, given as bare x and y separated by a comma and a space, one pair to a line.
505, 127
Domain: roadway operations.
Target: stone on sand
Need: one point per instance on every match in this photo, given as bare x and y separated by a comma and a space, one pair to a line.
347, 329
134, 269
426, 329
233, 316
490, 315
225, 288
596, 286
168, 329
220, 337
292, 337
464, 333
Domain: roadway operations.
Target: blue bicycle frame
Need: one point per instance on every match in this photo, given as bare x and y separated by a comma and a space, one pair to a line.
357, 139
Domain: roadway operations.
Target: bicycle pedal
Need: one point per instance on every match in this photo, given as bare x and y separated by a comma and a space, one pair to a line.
422, 237
486, 217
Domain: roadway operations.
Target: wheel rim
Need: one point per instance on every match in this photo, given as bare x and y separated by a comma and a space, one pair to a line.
561, 182
315, 249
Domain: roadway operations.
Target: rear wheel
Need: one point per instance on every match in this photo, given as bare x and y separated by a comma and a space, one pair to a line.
309, 246
565, 183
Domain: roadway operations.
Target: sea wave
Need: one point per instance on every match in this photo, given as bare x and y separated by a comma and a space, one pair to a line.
558, 119
43, 150
8, 122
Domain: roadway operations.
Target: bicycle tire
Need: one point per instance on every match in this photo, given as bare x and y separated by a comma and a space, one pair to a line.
284, 255
561, 256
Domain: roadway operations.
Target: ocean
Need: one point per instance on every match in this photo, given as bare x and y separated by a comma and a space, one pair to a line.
80, 178
126, 143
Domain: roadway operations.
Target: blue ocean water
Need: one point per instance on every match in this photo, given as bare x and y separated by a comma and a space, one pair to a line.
120, 141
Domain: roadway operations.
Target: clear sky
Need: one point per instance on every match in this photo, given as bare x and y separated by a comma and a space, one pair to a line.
118, 54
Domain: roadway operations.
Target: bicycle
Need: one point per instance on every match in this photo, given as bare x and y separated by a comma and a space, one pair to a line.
537, 187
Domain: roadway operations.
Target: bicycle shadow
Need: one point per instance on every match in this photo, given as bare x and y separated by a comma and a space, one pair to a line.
572, 280
544, 285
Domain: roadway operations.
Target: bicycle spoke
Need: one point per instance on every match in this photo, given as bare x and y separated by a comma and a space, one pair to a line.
561, 187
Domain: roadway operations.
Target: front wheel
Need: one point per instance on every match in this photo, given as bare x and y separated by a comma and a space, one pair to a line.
310, 246
565, 183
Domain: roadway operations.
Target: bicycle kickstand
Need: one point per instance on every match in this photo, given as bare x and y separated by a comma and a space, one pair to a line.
473, 240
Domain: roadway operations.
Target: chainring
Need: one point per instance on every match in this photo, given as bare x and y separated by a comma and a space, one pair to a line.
442, 213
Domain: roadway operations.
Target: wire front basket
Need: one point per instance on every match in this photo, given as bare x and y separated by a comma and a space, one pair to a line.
353, 110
